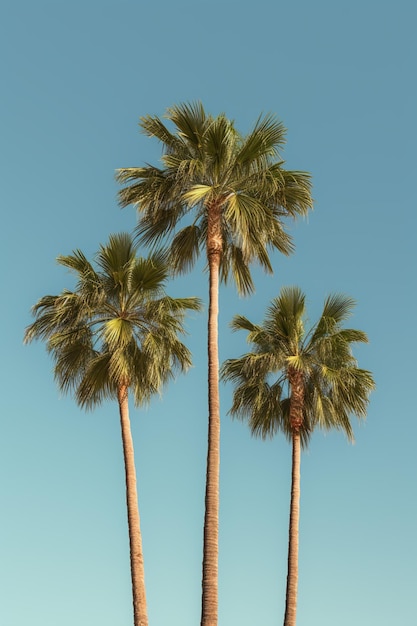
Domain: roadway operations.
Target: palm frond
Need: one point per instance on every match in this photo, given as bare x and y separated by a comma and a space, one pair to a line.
76, 262
293, 193
117, 333
190, 120
233, 261
220, 140
114, 257
149, 276
128, 174
240, 322
185, 248
154, 127
267, 136
337, 308
96, 384
280, 239
196, 194
153, 228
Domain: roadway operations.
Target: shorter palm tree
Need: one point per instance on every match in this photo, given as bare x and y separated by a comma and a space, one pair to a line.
228, 195
118, 331
294, 381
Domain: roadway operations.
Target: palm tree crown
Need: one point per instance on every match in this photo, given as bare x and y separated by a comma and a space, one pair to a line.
117, 331
285, 355
235, 187
117, 327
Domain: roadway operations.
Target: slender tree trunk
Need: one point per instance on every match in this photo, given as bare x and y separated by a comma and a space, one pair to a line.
209, 609
296, 420
292, 575
135, 537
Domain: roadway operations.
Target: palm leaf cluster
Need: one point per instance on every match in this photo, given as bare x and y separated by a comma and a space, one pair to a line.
334, 387
118, 327
217, 191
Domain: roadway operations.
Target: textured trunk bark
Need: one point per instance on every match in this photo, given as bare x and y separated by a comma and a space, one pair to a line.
135, 538
292, 575
296, 419
209, 608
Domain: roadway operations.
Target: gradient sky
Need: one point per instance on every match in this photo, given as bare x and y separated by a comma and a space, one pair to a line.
75, 79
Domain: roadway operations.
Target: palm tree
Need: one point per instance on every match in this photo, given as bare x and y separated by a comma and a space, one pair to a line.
225, 194
294, 381
118, 331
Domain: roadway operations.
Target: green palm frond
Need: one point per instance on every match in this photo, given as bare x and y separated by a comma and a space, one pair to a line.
71, 360
280, 239
267, 136
177, 307
245, 216
129, 174
291, 304
190, 120
154, 127
117, 332
337, 308
115, 257
293, 192
285, 318
297, 361
220, 140
96, 385
77, 262
196, 194
153, 229
149, 276
240, 322
185, 248
234, 262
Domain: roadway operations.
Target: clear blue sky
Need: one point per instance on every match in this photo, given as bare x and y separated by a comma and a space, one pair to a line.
75, 79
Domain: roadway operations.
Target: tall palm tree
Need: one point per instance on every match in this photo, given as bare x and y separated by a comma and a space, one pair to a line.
117, 331
294, 381
227, 195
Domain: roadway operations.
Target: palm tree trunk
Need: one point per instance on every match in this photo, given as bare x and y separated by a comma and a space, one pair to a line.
135, 537
296, 420
209, 608
292, 575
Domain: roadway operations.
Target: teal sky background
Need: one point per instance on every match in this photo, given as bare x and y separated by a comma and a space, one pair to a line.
75, 79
